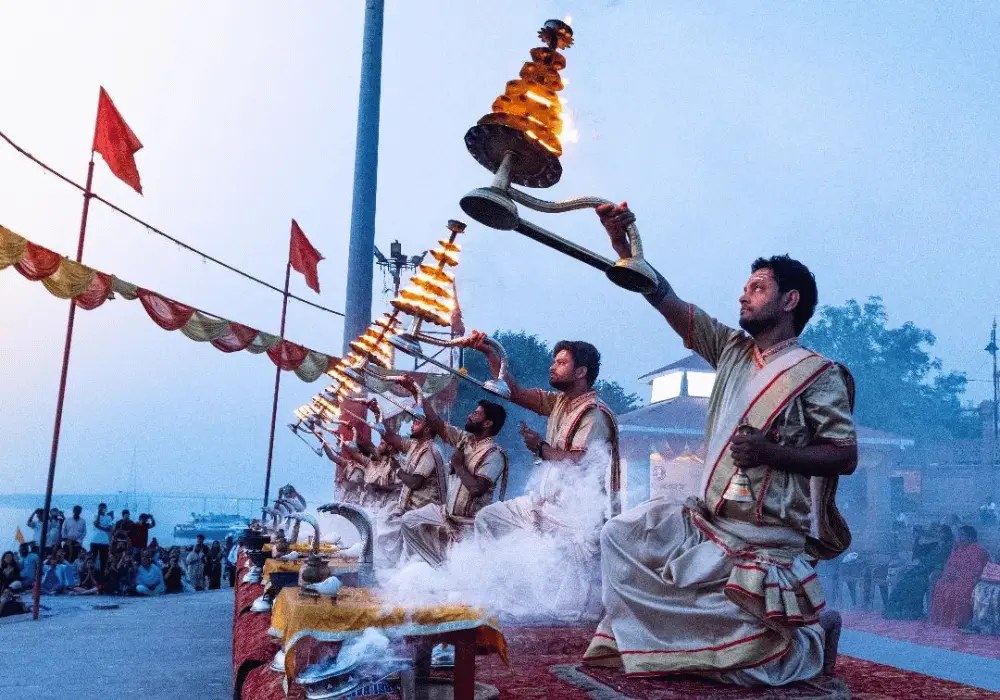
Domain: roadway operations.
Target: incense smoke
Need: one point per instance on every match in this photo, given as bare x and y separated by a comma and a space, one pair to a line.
547, 573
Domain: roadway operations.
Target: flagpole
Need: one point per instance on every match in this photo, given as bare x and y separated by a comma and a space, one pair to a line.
277, 386
37, 590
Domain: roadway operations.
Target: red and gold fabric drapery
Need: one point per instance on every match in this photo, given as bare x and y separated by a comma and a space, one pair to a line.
89, 288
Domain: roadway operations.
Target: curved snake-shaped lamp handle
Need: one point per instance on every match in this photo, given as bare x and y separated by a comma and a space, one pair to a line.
308, 518
563, 205
362, 522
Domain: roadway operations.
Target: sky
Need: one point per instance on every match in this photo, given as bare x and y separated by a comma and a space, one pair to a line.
861, 138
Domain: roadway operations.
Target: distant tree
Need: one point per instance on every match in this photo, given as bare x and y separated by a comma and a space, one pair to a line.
900, 387
530, 359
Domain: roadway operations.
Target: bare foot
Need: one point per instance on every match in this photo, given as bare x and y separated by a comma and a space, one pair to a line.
830, 621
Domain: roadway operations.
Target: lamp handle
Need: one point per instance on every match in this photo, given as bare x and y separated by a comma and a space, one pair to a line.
564, 205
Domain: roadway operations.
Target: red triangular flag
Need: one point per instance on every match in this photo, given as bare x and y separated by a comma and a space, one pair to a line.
114, 140
303, 257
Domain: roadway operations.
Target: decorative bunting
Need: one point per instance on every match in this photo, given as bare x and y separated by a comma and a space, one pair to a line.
89, 289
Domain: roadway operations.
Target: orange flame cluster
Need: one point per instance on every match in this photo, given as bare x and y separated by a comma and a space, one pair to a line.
531, 104
430, 295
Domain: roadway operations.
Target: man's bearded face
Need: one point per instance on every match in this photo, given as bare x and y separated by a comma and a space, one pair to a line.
562, 373
475, 422
761, 303
419, 431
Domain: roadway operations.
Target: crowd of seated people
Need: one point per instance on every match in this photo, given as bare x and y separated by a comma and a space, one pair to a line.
123, 560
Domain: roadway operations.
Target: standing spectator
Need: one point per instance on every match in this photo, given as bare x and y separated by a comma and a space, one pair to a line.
139, 532
74, 531
10, 572
121, 537
103, 525
35, 522
28, 564
56, 520
173, 575
149, 577
196, 564
214, 566
230, 557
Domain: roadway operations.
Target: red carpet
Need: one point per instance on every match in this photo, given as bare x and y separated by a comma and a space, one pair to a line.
924, 633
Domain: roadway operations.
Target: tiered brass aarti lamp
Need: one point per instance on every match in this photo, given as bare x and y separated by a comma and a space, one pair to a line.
430, 298
519, 142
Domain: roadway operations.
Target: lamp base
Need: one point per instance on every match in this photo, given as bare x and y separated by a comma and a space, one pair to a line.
406, 343
534, 166
491, 207
633, 274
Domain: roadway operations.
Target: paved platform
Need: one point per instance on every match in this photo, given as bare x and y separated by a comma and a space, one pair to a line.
158, 648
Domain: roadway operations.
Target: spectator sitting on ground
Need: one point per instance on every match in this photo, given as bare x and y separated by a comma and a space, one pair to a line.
10, 572
67, 572
139, 532
153, 548
173, 575
52, 581
149, 577
74, 531
28, 564
90, 578
120, 572
10, 603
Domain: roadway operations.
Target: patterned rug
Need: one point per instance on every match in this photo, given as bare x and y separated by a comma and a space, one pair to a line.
924, 633
545, 664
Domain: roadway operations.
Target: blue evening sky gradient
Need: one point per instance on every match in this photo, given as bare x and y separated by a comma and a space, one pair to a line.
859, 137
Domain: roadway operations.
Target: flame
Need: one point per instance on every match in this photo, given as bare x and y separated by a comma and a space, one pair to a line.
569, 132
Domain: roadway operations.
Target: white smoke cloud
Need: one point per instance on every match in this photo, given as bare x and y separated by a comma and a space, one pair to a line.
547, 573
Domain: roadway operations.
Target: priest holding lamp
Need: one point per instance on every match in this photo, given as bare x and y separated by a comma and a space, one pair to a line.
724, 585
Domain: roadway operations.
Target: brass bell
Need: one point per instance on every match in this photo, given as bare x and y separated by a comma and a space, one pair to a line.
739, 490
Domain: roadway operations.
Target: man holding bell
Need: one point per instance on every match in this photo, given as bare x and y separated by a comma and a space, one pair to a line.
724, 585
423, 477
475, 468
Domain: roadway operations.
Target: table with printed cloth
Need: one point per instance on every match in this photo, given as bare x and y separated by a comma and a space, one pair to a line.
295, 617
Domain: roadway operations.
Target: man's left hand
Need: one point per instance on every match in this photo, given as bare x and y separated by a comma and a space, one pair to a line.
531, 438
751, 449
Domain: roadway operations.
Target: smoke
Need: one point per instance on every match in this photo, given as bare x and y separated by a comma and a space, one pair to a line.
546, 570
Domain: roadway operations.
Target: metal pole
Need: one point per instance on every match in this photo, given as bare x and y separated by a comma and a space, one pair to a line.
277, 386
37, 589
358, 311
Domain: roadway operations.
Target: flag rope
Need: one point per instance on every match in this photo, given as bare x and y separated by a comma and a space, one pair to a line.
157, 231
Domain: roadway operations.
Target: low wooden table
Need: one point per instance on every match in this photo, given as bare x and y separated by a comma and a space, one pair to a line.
295, 616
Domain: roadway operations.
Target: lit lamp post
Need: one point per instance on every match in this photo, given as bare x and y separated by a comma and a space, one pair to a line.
519, 142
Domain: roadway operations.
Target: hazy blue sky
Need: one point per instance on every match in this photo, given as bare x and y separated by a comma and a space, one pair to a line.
862, 138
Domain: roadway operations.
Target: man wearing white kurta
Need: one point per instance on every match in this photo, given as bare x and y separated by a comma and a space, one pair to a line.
476, 467
579, 426
423, 478
724, 586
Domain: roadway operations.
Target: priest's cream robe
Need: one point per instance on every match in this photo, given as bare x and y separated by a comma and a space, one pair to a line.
728, 590
430, 530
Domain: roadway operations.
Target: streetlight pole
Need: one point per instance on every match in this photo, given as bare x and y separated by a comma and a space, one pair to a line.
358, 307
